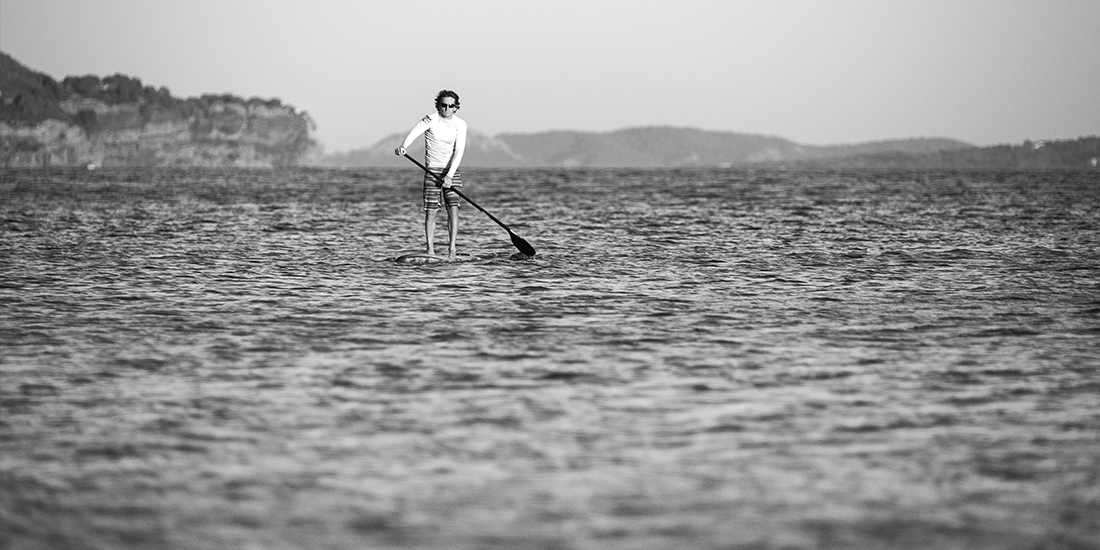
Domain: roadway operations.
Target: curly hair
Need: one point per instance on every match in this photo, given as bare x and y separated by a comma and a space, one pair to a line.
446, 93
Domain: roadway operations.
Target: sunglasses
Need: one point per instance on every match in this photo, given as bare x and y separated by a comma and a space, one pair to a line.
447, 105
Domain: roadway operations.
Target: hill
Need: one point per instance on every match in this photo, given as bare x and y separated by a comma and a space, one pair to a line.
1075, 154
640, 147
119, 121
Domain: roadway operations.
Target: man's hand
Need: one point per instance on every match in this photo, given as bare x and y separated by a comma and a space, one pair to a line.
446, 181
400, 151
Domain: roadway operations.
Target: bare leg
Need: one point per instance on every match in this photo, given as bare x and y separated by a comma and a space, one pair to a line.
452, 227
429, 230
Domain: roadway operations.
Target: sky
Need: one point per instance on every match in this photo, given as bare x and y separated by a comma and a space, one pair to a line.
812, 71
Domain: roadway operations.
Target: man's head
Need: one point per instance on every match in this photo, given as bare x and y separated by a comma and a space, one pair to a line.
446, 102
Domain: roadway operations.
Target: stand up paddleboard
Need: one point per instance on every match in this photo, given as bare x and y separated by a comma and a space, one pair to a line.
422, 258
419, 257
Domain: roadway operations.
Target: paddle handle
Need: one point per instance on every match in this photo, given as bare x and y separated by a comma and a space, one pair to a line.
464, 197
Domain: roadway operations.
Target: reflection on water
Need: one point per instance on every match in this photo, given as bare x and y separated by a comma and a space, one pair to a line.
695, 359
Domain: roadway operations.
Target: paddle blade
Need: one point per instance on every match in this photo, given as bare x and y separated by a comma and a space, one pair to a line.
523, 246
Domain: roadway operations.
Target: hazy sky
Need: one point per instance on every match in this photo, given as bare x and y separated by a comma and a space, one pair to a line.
814, 71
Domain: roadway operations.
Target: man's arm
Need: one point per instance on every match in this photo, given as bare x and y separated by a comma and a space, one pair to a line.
420, 128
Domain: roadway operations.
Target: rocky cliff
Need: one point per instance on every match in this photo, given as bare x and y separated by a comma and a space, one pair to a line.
118, 121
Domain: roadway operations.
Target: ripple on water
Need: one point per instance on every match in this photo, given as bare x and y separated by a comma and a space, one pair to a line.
695, 358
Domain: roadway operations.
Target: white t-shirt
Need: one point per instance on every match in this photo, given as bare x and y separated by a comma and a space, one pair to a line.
444, 141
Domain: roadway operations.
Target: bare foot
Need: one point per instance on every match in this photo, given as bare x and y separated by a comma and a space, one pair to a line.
452, 253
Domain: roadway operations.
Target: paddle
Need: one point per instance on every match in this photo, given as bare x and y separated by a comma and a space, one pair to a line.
518, 241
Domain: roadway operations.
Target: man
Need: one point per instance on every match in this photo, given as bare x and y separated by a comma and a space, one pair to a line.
444, 144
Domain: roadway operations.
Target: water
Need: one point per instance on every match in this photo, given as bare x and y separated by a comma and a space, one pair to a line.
694, 359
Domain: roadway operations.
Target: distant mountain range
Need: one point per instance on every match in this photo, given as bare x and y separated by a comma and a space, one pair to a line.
673, 147
119, 121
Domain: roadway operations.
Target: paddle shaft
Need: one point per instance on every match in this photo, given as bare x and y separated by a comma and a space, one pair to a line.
464, 197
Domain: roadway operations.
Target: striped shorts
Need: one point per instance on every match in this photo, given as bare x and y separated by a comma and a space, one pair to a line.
432, 191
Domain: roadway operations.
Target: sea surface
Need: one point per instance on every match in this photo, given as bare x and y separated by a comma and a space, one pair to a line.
695, 359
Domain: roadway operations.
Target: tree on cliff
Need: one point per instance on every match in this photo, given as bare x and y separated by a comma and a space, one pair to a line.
28, 98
